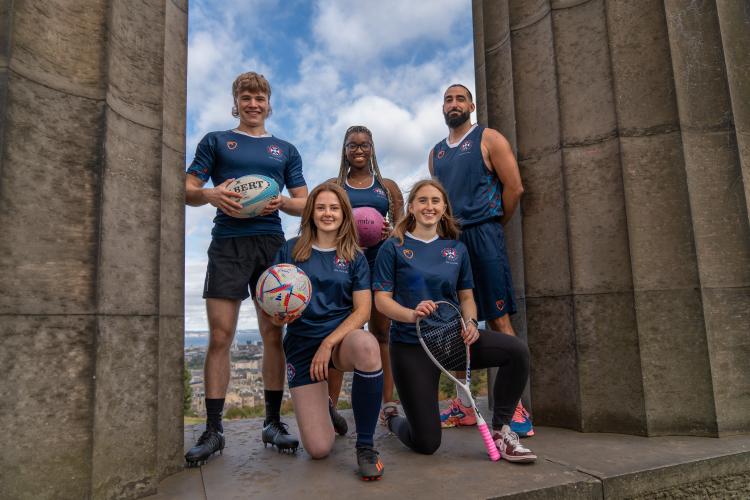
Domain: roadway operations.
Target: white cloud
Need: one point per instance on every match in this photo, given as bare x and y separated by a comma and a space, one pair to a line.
358, 32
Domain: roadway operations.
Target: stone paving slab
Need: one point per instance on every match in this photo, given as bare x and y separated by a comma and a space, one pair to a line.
570, 465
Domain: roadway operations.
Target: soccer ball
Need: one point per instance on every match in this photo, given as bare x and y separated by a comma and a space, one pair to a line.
283, 290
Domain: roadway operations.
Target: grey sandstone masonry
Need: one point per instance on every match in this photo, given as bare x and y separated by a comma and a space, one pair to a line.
92, 125
631, 127
630, 121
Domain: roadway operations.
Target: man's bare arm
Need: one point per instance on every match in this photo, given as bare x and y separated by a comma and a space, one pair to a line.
503, 163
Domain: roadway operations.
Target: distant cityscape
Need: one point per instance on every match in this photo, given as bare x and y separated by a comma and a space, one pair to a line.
246, 381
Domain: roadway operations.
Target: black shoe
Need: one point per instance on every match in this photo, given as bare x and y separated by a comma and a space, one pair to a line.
339, 422
370, 466
209, 443
275, 433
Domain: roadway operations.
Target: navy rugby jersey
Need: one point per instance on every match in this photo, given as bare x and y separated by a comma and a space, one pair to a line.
417, 271
374, 196
229, 154
333, 283
475, 193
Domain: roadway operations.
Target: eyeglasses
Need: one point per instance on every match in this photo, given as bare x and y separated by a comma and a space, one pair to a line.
365, 147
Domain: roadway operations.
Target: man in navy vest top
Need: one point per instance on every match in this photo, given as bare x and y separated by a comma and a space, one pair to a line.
241, 249
479, 170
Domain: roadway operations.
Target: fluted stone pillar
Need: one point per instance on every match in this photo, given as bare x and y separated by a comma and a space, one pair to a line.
636, 250
718, 207
92, 217
734, 19
496, 109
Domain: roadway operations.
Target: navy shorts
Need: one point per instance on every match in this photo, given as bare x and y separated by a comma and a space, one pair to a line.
299, 352
235, 264
493, 284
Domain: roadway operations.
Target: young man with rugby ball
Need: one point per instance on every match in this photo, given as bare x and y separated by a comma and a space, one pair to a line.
479, 170
241, 249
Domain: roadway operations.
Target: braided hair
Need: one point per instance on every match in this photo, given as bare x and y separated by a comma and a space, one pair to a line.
374, 168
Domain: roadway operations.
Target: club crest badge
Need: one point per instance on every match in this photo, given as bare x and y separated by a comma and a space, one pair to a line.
231, 145
274, 150
500, 304
290, 371
379, 192
466, 146
441, 154
340, 264
450, 254
407, 253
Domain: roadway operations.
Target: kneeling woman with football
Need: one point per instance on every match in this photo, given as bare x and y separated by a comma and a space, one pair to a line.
329, 331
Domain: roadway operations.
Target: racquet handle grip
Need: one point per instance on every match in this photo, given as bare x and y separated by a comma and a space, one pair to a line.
489, 443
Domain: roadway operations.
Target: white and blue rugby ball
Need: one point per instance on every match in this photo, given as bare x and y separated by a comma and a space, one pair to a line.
257, 191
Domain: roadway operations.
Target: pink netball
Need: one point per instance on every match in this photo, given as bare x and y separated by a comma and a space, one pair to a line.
369, 226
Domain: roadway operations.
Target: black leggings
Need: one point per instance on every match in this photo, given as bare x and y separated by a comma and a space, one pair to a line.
417, 379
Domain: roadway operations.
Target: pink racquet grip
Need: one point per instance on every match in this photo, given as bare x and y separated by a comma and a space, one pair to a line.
489, 443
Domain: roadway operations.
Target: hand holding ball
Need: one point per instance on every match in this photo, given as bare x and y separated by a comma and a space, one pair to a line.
257, 191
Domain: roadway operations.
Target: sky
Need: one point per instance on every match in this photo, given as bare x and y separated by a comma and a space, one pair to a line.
331, 64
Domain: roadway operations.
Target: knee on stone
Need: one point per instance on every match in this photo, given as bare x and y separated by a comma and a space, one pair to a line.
427, 446
318, 449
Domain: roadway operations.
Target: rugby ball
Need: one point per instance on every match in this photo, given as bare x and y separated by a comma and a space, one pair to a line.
369, 224
283, 290
257, 191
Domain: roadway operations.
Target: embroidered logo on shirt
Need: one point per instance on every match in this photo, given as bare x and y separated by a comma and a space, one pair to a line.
274, 150
466, 146
450, 254
379, 192
231, 145
407, 253
290, 371
440, 154
341, 264
500, 304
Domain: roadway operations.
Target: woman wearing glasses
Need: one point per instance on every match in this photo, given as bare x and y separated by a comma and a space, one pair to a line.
359, 175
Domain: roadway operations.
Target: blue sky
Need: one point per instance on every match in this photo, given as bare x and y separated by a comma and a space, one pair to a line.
331, 64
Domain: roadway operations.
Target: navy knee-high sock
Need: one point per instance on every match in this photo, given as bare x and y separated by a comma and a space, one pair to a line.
367, 390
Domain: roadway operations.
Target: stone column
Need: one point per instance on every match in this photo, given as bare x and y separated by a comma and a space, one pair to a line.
677, 389
718, 206
636, 237
734, 21
91, 212
495, 98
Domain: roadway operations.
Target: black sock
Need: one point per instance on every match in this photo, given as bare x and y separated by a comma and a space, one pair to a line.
273, 405
214, 409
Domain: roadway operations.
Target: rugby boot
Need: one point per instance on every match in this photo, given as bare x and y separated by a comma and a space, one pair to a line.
388, 413
370, 466
209, 443
276, 434
339, 422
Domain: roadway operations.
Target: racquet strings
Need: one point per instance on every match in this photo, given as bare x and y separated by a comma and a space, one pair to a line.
441, 333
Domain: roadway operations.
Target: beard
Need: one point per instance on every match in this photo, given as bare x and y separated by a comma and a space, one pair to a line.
456, 120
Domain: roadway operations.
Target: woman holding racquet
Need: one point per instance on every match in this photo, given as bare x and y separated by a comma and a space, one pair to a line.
329, 332
359, 175
422, 265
